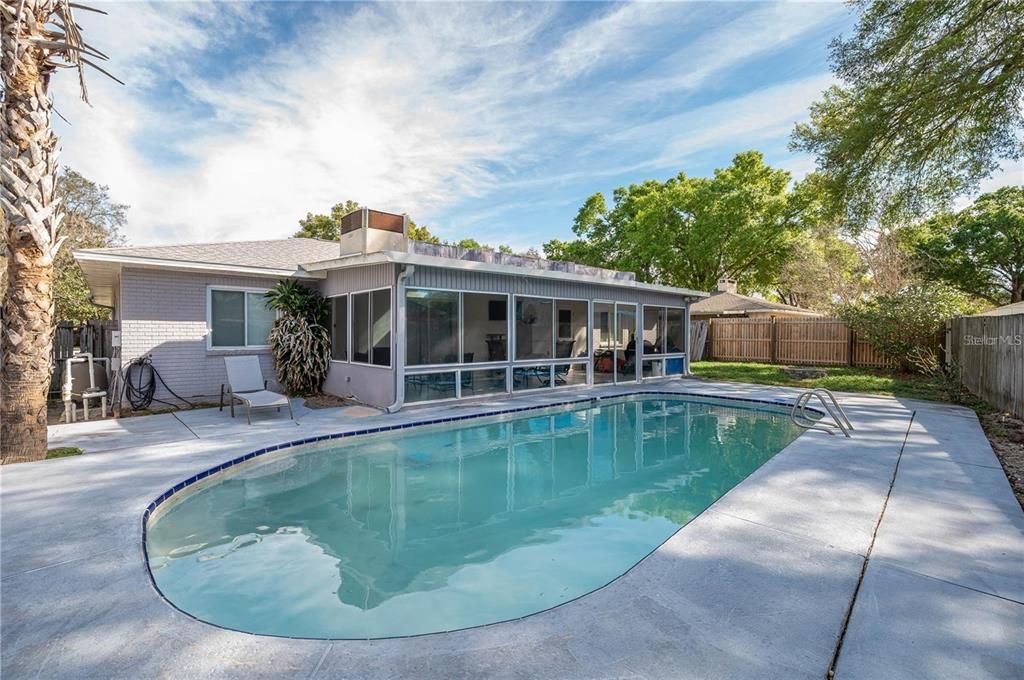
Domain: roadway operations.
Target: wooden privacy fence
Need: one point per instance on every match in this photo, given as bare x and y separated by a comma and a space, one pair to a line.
68, 337
990, 353
816, 342
89, 336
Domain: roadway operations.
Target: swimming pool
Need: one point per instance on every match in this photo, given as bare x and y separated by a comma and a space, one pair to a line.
450, 526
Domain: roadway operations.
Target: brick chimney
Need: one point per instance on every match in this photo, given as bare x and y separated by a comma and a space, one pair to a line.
726, 285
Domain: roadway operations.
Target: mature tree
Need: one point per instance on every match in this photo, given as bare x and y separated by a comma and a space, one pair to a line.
93, 221
823, 271
418, 233
930, 104
328, 227
979, 250
37, 37
615, 237
742, 222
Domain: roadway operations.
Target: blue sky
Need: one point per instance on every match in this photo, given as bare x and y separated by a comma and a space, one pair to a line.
486, 120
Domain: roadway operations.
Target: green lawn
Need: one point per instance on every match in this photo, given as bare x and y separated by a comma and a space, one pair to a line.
839, 378
63, 452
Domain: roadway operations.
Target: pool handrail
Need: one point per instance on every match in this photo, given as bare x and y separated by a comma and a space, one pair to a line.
838, 417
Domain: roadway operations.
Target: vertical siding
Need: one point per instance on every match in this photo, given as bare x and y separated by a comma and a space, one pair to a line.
163, 313
433, 277
358, 278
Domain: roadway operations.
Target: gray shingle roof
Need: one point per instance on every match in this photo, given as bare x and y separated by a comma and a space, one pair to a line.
1005, 310
287, 253
722, 303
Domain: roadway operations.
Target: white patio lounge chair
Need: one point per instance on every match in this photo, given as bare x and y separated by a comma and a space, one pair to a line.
246, 385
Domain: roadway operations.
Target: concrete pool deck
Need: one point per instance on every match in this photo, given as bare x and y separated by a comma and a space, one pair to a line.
911, 521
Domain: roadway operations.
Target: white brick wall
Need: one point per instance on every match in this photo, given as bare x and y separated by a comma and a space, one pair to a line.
163, 313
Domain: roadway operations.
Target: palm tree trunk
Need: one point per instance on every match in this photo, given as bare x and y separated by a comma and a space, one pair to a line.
32, 214
27, 343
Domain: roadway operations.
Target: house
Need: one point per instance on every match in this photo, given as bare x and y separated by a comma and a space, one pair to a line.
1005, 310
410, 321
726, 302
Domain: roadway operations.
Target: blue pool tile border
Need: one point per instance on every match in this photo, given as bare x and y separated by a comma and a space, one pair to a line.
181, 486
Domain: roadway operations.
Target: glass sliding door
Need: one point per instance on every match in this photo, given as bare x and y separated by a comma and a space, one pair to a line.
663, 341
484, 327
570, 329
604, 342
654, 331
432, 327
626, 344
534, 328
674, 333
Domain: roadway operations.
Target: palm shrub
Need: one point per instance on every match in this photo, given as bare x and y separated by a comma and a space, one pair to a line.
299, 339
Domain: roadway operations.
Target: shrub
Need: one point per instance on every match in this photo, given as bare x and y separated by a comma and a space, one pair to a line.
946, 377
299, 340
903, 324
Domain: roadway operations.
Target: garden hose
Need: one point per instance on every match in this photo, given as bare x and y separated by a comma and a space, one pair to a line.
140, 384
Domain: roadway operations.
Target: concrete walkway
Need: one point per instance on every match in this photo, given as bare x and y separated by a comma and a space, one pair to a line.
911, 522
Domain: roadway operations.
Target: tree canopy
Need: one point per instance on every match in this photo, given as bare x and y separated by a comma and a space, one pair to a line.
979, 250
743, 222
328, 228
929, 106
823, 270
93, 220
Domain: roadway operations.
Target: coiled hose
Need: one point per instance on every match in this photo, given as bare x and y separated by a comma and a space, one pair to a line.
140, 384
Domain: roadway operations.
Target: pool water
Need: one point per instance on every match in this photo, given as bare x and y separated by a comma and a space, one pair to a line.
445, 527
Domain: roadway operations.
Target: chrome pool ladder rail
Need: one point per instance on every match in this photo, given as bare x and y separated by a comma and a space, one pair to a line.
835, 412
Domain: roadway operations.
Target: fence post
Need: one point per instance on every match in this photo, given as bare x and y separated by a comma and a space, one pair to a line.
851, 343
773, 351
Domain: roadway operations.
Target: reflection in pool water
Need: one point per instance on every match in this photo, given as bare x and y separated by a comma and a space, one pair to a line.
445, 527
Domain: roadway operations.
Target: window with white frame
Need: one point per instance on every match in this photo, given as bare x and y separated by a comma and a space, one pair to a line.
238, 318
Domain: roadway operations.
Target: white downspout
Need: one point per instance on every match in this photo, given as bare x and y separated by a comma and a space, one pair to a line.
400, 340
686, 337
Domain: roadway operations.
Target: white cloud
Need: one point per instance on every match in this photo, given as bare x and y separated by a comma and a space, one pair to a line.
406, 107
602, 40
753, 34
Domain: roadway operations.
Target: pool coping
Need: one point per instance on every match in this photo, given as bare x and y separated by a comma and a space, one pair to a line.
169, 496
